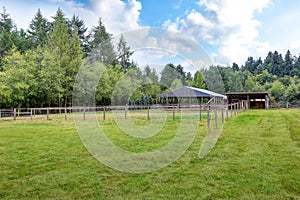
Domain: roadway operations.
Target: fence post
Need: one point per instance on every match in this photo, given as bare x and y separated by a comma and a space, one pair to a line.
15, 113
234, 109
222, 115
83, 113
148, 113
216, 117
200, 117
126, 111
65, 113
104, 113
173, 112
48, 113
30, 113
0, 113
208, 119
226, 111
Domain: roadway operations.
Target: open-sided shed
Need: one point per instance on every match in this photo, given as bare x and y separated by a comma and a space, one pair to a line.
255, 100
187, 92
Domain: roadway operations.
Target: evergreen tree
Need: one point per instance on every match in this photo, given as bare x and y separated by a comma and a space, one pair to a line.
65, 57
123, 54
101, 45
198, 81
288, 63
79, 24
6, 29
21, 40
168, 75
235, 67
38, 30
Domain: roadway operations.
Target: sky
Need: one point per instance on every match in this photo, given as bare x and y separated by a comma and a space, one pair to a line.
227, 30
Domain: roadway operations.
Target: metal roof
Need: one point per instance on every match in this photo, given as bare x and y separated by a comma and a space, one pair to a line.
187, 92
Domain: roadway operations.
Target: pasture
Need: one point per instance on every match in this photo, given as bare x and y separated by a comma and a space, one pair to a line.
256, 157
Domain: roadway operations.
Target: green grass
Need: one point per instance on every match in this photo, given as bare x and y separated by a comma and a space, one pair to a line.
257, 157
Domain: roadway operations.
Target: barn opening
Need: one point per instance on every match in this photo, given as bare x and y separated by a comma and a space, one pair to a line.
254, 100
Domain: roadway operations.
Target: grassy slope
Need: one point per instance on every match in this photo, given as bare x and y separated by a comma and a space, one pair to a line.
258, 157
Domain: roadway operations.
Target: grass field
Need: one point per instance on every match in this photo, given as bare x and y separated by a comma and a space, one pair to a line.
257, 157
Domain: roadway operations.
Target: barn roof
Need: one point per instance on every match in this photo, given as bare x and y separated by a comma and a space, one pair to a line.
246, 95
187, 91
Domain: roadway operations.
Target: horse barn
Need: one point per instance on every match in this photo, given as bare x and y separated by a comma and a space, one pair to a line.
254, 100
190, 95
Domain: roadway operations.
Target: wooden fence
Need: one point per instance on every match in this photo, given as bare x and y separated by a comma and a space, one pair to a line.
215, 114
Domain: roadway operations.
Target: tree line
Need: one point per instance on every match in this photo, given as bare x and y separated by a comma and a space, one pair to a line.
38, 67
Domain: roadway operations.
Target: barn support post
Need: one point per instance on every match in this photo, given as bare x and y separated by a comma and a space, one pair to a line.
248, 101
231, 110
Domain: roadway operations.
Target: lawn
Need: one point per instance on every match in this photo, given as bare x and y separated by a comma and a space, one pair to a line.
257, 157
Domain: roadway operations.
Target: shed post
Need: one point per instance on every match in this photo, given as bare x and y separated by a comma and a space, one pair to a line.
248, 101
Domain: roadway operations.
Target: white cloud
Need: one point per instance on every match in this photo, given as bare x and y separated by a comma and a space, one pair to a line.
118, 16
295, 44
230, 24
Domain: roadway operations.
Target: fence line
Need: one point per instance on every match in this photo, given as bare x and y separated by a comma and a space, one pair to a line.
234, 109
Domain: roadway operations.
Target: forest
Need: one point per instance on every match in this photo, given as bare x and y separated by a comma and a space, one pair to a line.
38, 67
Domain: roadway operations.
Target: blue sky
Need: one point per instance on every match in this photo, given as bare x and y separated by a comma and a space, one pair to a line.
228, 30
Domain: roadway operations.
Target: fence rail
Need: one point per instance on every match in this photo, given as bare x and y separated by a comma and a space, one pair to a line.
216, 114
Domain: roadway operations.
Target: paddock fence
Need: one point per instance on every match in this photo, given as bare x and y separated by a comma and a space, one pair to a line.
215, 115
